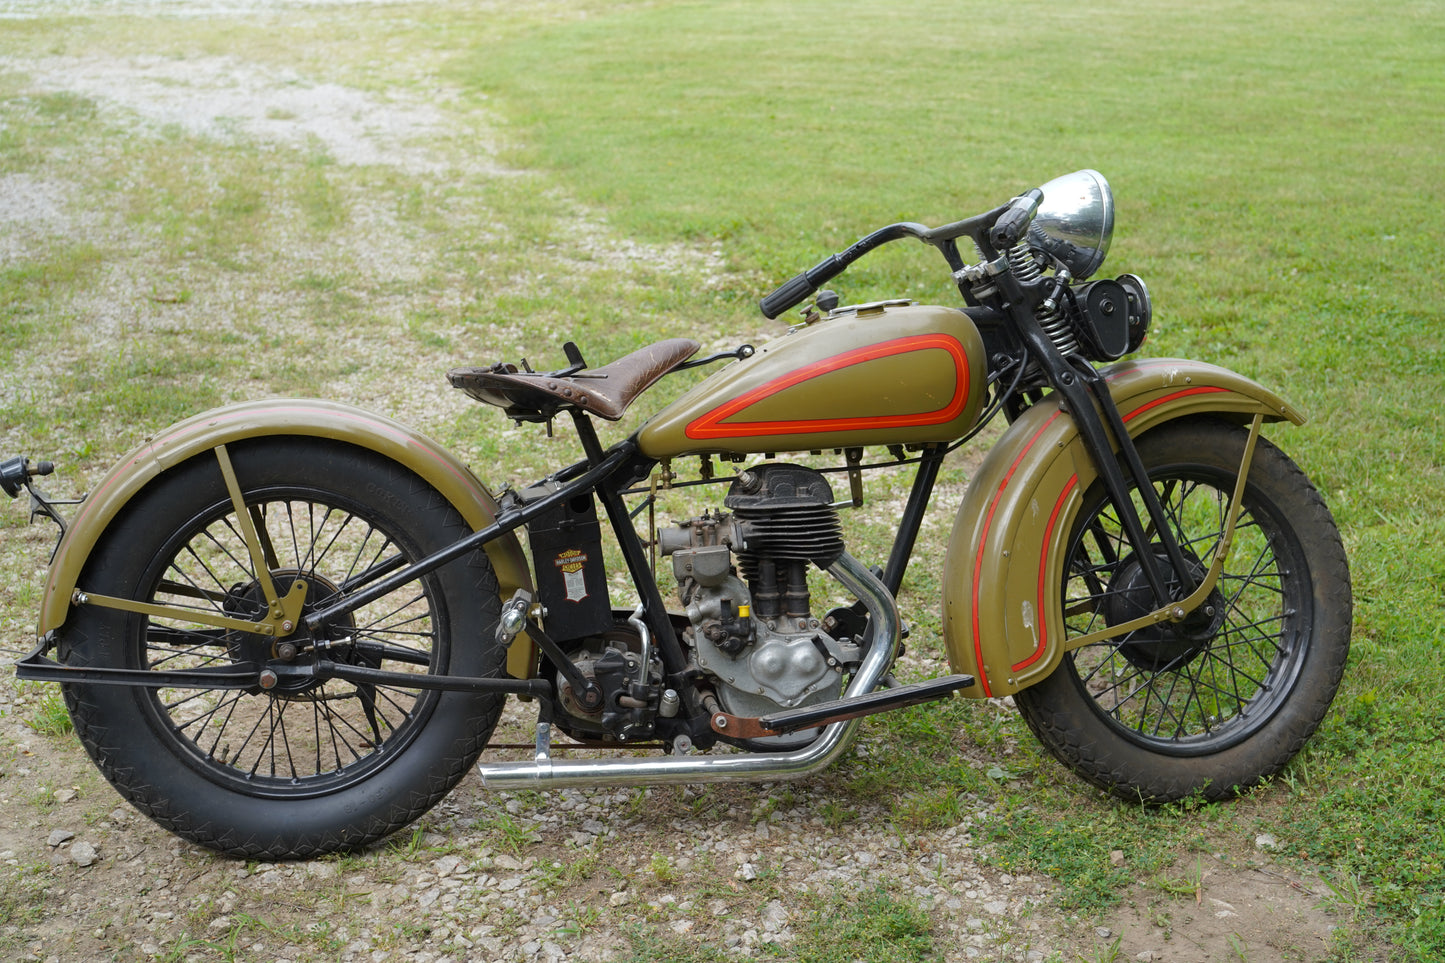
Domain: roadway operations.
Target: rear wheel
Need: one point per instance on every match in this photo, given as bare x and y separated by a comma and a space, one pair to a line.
1226, 697
306, 767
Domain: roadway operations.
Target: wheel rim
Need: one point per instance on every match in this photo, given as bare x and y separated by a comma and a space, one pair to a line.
304, 739
1211, 681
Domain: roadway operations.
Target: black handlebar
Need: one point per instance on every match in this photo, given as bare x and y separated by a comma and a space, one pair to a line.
795, 291
1014, 217
1011, 224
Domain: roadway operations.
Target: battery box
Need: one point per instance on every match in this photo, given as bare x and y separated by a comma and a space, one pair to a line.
571, 577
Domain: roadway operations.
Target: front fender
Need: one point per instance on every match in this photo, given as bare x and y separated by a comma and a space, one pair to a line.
1002, 613
318, 419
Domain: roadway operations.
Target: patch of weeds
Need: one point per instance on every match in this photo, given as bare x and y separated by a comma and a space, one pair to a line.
24, 896
336, 301
779, 800
507, 832
142, 385
418, 327
32, 291
1376, 819
42, 797
708, 803
936, 808
321, 934
1105, 954
343, 898
64, 107
301, 376
548, 873
582, 865
1075, 851
319, 283
835, 814
639, 804
322, 202
1191, 884
506, 920
50, 717
351, 862
243, 925
876, 925
661, 868
579, 919
647, 944
185, 950
412, 845
414, 931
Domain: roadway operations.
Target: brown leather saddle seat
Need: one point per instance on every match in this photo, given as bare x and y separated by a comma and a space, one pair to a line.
605, 391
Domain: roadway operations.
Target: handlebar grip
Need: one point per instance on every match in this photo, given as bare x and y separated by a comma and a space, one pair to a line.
1012, 223
793, 292
788, 295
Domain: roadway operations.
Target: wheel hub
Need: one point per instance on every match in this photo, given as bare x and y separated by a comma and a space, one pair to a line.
1167, 645
247, 600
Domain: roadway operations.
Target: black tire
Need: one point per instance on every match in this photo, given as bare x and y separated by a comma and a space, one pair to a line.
1216, 703
325, 767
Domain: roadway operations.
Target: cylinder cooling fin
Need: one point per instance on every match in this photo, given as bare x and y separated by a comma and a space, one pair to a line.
785, 514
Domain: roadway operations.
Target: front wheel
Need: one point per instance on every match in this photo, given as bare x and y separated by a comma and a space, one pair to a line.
1212, 704
308, 766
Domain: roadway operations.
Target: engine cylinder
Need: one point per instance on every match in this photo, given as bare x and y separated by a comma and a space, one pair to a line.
786, 518
786, 513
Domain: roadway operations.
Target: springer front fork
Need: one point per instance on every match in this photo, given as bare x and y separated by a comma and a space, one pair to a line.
1084, 393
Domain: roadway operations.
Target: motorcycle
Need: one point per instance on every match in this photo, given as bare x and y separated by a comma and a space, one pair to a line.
289, 627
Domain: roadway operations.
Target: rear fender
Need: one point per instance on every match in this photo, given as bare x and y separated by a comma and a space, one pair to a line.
1002, 612
310, 418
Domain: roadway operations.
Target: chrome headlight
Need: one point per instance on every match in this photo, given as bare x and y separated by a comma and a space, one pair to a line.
1075, 221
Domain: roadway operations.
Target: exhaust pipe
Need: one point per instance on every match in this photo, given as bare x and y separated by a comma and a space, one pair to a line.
544, 772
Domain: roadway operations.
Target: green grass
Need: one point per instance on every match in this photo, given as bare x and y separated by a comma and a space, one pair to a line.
1278, 182
1276, 168
876, 924
50, 717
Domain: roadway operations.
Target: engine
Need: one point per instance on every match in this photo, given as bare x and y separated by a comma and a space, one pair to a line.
743, 580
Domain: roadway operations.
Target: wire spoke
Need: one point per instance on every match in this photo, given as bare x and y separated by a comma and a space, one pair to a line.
1189, 681
300, 731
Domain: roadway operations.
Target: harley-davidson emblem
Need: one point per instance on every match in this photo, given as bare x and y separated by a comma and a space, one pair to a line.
571, 563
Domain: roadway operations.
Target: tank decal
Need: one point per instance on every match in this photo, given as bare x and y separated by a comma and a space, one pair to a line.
715, 424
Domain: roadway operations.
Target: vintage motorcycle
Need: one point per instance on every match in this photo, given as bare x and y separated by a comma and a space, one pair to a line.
285, 628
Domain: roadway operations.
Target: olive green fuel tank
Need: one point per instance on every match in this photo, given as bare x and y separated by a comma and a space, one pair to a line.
891, 373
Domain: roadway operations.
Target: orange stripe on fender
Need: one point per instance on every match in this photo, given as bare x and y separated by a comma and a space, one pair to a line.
1043, 622
983, 541
1049, 530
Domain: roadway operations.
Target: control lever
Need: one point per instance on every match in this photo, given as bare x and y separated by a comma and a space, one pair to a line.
15, 473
